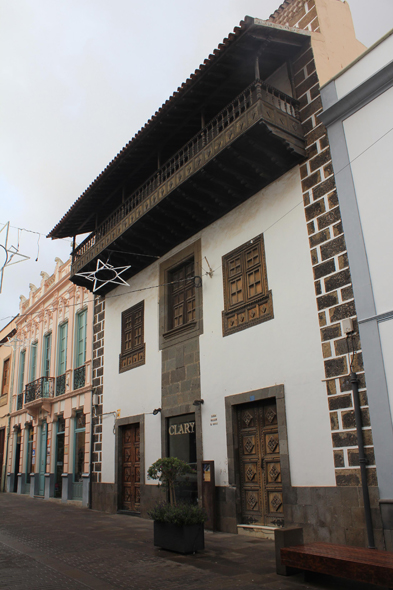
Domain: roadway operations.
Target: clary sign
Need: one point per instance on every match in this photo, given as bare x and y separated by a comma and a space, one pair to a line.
186, 428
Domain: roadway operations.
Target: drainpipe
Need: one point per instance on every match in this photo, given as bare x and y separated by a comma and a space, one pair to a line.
362, 457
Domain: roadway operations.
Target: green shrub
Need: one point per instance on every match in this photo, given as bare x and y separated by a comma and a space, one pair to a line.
181, 514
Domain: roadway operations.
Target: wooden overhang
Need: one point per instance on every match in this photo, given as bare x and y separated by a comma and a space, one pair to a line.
220, 138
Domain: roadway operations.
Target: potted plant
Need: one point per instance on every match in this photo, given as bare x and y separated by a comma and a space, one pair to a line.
177, 527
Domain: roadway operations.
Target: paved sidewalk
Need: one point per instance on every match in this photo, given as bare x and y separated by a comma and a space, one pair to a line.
48, 545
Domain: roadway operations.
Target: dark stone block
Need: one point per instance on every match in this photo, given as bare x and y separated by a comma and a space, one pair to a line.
332, 248
345, 439
327, 301
331, 332
303, 60
324, 188
347, 293
335, 367
319, 238
286, 537
353, 457
314, 107
319, 160
309, 182
340, 346
306, 84
324, 269
346, 310
310, 228
332, 198
338, 280
316, 134
340, 401
339, 459
329, 218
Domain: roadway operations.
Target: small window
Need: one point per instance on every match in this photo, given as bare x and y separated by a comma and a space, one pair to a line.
247, 300
132, 338
46, 355
33, 361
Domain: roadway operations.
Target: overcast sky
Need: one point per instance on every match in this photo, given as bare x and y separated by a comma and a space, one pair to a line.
79, 79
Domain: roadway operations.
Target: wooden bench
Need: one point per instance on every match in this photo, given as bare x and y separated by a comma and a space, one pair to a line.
355, 563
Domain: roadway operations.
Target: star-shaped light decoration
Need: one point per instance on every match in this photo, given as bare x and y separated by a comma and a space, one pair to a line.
8, 255
103, 274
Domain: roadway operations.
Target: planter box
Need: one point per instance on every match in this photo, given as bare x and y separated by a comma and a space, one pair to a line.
182, 539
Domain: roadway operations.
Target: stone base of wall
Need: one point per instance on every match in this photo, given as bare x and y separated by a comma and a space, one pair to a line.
226, 509
150, 496
104, 497
333, 514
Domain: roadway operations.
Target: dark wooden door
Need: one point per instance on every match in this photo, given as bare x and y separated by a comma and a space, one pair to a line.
260, 468
131, 497
2, 440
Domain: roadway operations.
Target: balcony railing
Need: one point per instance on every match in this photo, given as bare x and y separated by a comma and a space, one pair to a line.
19, 401
257, 92
39, 389
79, 377
61, 384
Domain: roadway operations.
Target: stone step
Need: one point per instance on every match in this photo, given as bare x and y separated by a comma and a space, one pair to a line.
256, 530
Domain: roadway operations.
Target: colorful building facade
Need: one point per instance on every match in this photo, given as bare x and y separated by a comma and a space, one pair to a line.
49, 448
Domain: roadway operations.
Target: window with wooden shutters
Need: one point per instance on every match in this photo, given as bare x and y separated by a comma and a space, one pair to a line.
181, 298
132, 338
247, 300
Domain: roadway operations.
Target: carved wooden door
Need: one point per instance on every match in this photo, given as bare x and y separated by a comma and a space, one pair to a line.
131, 497
260, 468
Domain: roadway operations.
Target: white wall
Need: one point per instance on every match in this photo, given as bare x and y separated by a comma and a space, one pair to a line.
285, 350
386, 335
373, 60
370, 150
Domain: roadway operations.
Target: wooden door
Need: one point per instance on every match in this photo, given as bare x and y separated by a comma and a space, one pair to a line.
131, 468
259, 460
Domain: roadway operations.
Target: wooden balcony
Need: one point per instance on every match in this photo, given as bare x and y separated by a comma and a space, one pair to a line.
253, 141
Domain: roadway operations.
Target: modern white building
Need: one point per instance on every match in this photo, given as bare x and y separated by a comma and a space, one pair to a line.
227, 342
359, 118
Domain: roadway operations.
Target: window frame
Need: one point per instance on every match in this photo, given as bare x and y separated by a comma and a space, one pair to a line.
33, 361
82, 313
168, 334
6, 377
132, 356
60, 362
238, 267
46, 358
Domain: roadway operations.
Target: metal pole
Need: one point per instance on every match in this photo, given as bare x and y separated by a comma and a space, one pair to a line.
362, 460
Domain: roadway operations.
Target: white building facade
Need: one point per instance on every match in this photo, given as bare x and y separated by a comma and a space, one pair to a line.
227, 343
358, 114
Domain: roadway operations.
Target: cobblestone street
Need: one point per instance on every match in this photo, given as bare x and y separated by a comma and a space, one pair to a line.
49, 545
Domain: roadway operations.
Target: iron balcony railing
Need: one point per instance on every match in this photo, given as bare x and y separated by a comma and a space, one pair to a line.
39, 389
79, 377
243, 102
19, 401
60, 384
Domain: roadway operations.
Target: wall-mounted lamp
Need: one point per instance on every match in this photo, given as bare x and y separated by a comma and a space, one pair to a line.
95, 399
198, 402
156, 411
